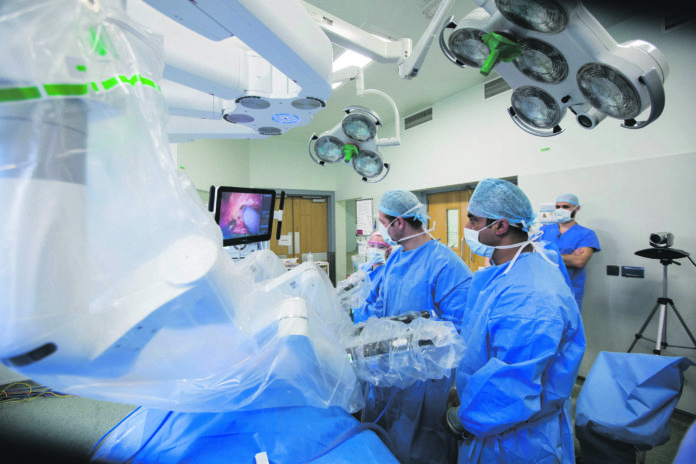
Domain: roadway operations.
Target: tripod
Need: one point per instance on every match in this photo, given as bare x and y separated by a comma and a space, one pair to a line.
666, 257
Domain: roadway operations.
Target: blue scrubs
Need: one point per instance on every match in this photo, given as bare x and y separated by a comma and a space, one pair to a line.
575, 237
432, 278
525, 343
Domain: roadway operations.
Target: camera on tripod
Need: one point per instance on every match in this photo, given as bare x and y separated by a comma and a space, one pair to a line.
661, 239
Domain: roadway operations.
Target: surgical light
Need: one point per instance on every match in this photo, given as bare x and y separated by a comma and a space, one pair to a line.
467, 45
609, 90
536, 107
545, 16
556, 56
541, 61
360, 125
353, 142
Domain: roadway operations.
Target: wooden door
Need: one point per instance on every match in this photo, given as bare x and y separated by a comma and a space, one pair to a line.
306, 222
448, 210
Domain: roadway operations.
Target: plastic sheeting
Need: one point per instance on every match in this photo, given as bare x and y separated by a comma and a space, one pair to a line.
353, 291
114, 281
629, 397
286, 435
387, 352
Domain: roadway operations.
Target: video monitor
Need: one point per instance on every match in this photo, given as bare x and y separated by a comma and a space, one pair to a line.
245, 215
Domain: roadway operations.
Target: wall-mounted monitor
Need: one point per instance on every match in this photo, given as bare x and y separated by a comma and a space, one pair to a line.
245, 215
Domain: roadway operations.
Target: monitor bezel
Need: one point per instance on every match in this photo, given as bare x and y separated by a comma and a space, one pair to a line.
220, 191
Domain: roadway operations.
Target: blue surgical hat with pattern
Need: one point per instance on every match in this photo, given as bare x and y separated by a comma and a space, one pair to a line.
500, 199
402, 203
568, 198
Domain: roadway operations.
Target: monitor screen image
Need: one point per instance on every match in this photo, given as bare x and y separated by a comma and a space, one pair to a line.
244, 215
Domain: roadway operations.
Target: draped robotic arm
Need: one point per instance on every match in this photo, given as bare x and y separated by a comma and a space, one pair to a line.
114, 281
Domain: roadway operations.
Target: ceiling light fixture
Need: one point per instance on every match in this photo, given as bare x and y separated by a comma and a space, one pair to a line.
556, 56
354, 141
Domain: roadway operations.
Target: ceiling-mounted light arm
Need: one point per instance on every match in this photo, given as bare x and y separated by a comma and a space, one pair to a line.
378, 179
443, 44
353, 38
652, 81
410, 67
533, 130
361, 90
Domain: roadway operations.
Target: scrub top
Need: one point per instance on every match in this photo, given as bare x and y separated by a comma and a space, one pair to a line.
525, 342
575, 237
432, 278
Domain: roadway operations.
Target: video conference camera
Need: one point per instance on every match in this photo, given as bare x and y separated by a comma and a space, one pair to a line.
661, 239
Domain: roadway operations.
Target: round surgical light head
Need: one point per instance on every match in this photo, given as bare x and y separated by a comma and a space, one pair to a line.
252, 102
368, 164
269, 130
536, 107
541, 61
468, 47
360, 126
308, 103
545, 16
328, 149
609, 90
237, 118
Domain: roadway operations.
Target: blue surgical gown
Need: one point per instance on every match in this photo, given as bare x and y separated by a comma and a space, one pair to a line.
525, 342
432, 278
575, 237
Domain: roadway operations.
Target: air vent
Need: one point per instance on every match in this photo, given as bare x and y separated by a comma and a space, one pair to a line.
673, 20
495, 87
418, 118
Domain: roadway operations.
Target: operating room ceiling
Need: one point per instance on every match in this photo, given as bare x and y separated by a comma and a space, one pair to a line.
438, 78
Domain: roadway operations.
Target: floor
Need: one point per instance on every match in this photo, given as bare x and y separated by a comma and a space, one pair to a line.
64, 429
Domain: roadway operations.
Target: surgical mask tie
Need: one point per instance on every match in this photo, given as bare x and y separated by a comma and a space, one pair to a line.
533, 240
471, 237
385, 230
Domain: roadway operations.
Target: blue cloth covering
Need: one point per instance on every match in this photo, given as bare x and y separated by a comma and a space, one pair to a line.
525, 342
575, 237
629, 397
288, 435
687, 449
432, 278
554, 254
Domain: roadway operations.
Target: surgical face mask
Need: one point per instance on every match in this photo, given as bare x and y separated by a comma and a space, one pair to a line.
472, 239
376, 255
385, 233
564, 215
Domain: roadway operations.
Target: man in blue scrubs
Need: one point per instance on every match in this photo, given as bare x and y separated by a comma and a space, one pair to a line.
525, 341
421, 275
576, 243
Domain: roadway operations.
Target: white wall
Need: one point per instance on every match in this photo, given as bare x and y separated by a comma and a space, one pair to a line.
215, 162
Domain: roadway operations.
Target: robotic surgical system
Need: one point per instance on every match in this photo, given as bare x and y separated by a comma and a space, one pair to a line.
115, 282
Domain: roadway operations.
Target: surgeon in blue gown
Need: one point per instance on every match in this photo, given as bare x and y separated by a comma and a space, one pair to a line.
576, 243
525, 341
422, 274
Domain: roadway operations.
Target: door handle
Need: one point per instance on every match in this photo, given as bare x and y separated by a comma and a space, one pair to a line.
461, 248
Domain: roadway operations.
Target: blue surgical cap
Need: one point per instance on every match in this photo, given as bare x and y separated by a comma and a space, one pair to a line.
568, 198
402, 203
500, 199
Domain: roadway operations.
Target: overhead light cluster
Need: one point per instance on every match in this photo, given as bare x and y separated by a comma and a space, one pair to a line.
556, 57
352, 142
